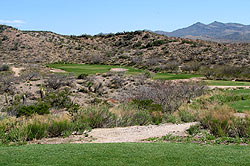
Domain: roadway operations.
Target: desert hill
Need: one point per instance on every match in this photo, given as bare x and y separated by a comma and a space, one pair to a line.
141, 49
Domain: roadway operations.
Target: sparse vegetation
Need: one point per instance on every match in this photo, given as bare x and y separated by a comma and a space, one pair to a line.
37, 104
4, 67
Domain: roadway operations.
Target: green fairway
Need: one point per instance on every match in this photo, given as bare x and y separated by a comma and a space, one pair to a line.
226, 83
170, 76
241, 105
125, 154
91, 69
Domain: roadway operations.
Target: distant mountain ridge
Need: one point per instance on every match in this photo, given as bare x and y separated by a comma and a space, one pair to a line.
215, 31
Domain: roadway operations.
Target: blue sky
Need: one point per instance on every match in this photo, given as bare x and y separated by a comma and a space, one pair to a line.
95, 16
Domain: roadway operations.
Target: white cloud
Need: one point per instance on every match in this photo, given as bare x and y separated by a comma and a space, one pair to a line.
18, 22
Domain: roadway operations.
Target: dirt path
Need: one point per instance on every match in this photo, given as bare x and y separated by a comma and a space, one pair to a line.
137, 133
228, 87
17, 71
57, 70
122, 134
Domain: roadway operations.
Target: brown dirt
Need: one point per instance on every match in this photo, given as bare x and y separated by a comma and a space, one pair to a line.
122, 134
17, 71
57, 71
228, 87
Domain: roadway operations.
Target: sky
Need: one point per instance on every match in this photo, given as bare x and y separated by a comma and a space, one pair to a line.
76, 17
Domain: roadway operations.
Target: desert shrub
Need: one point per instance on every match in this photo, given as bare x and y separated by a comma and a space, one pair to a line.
221, 122
17, 134
138, 44
170, 96
5, 38
58, 99
20, 130
95, 59
129, 36
146, 36
147, 105
171, 118
217, 120
60, 128
141, 118
134, 118
241, 127
116, 82
154, 111
227, 72
147, 74
39, 108
225, 97
171, 66
82, 76
187, 42
36, 130
30, 75
130, 115
97, 116
7, 84
4, 67
193, 130
80, 124
57, 81
191, 66
187, 116
158, 42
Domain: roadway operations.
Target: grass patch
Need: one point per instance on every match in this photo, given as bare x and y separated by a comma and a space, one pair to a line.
170, 76
244, 103
240, 106
226, 83
92, 69
125, 154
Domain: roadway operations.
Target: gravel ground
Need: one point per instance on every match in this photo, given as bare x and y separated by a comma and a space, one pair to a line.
122, 134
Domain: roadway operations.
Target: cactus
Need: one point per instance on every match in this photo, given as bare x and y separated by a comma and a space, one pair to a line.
42, 93
6, 99
24, 98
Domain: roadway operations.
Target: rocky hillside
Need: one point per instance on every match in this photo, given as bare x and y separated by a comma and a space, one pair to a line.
216, 31
140, 49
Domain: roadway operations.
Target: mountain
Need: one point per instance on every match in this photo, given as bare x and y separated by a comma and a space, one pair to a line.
141, 49
215, 31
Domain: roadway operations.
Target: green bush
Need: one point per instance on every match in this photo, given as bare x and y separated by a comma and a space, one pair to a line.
141, 118
20, 130
226, 72
171, 118
40, 109
221, 122
193, 130
60, 128
82, 76
17, 134
97, 117
241, 127
59, 99
147, 105
4, 67
187, 116
36, 130
158, 42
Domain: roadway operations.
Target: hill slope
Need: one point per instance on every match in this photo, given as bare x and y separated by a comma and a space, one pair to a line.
216, 31
140, 49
